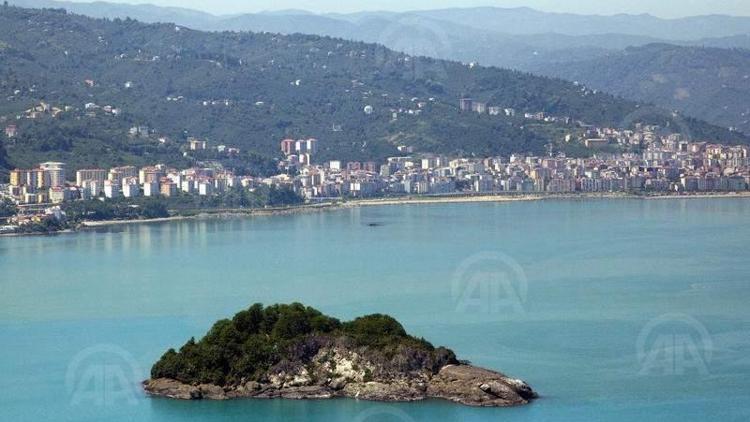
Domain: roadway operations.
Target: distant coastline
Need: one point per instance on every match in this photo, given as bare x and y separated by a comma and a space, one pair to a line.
406, 200
412, 200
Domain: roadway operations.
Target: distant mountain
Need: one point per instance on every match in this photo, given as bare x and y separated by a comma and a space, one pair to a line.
513, 21
141, 12
250, 90
518, 38
709, 83
525, 21
283, 23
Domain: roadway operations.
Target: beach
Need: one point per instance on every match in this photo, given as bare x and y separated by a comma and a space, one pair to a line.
405, 200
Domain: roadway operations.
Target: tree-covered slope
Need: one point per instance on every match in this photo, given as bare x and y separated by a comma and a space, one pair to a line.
708, 83
293, 351
251, 90
259, 338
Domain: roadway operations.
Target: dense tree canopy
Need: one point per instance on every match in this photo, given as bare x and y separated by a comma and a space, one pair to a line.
246, 346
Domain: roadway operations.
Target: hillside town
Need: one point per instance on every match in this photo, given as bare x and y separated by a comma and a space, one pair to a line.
667, 164
670, 165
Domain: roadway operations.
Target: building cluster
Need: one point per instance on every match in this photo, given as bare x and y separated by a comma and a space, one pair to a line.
47, 183
641, 135
472, 106
32, 186
44, 109
666, 164
298, 153
669, 165
92, 109
414, 106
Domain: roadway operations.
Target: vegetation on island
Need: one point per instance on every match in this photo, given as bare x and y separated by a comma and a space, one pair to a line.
245, 347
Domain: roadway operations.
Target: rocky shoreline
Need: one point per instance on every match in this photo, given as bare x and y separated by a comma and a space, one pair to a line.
463, 384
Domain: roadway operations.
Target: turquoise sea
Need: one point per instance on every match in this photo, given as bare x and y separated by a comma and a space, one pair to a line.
613, 310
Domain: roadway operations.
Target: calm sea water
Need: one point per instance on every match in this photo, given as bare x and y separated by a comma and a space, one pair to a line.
614, 310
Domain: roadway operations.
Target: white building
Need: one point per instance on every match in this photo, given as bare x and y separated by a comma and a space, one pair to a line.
130, 188
111, 189
151, 189
205, 188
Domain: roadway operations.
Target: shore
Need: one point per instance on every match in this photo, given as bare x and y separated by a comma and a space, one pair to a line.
416, 200
458, 383
405, 200
217, 213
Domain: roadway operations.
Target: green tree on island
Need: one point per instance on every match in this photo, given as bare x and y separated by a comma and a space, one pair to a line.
248, 345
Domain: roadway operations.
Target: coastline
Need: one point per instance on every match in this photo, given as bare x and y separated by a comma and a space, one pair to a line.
405, 200
416, 200
457, 383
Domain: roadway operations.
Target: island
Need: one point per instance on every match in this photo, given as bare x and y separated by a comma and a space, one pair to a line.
293, 351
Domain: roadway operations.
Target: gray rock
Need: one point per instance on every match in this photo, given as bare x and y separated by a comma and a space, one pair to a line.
478, 387
337, 384
463, 384
252, 386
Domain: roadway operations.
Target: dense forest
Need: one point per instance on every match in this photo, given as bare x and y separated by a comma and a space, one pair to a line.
245, 347
249, 90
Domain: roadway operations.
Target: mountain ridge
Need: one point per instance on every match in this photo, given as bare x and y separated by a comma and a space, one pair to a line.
485, 18
250, 90
702, 81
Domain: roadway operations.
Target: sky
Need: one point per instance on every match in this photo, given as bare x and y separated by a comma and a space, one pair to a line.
661, 8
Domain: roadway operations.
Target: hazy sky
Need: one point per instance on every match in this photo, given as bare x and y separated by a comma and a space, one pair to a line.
663, 8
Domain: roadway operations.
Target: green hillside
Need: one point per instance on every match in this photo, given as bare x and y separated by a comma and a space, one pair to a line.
249, 90
710, 83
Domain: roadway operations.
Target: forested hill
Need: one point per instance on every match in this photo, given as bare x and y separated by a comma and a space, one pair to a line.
712, 83
252, 89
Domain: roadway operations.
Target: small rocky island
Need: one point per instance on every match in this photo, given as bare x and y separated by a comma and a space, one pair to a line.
296, 352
